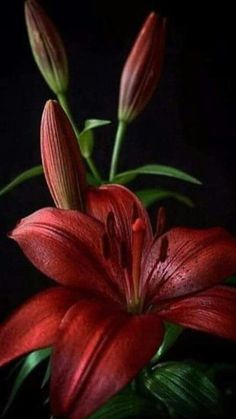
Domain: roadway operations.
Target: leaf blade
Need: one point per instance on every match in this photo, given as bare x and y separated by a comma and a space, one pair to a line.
125, 404
29, 364
184, 388
21, 178
150, 196
156, 169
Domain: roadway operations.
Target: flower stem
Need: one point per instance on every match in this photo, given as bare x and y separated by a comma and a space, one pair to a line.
63, 100
94, 169
120, 134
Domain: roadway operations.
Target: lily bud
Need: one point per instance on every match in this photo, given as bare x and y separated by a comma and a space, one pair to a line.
61, 158
142, 69
47, 47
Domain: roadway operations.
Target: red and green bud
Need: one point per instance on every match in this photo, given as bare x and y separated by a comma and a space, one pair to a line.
61, 158
142, 69
47, 47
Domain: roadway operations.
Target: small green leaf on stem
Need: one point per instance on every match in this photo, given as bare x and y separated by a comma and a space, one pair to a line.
23, 177
156, 169
150, 196
29, 364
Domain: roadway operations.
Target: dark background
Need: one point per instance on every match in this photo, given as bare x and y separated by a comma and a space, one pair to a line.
190, 124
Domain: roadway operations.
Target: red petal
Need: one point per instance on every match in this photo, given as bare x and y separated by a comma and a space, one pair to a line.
184, 261
66, 246
98, 352
212, 311
62, 161
35, 324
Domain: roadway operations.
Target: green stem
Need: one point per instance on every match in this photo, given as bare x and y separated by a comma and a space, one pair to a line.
63, 100
120, 134
94, 170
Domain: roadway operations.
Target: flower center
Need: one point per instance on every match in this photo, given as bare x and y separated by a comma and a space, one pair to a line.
138, 235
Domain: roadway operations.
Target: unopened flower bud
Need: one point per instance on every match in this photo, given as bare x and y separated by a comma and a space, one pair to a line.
62, 161
142, 69
47, 47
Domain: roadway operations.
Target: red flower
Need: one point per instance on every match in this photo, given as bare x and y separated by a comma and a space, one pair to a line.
117, 284
143, 68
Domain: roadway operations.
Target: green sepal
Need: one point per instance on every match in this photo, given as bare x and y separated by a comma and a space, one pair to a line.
23, 177
155, 169
86, 137
172, 332
150, 196
29, 363
125, 404
183, 388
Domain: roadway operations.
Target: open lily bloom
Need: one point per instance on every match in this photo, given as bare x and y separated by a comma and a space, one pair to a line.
116, 285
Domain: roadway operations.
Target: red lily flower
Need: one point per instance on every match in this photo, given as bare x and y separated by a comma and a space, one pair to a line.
118, 283
142, 69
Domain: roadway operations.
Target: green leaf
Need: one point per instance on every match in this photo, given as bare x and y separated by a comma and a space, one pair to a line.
155, 169
47, 374
172, 332
86, 142
125, 404
30, 362
124, 178
86, 137
91, 179
95, 123
28, 174
183, 388
150, 196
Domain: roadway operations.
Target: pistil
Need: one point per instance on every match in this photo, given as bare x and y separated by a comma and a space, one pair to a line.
138, 234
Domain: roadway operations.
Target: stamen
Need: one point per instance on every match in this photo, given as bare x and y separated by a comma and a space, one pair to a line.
161, 222
138, 234
124, 258
135, 212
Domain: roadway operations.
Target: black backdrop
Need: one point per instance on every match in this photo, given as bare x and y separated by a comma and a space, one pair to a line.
190, 123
